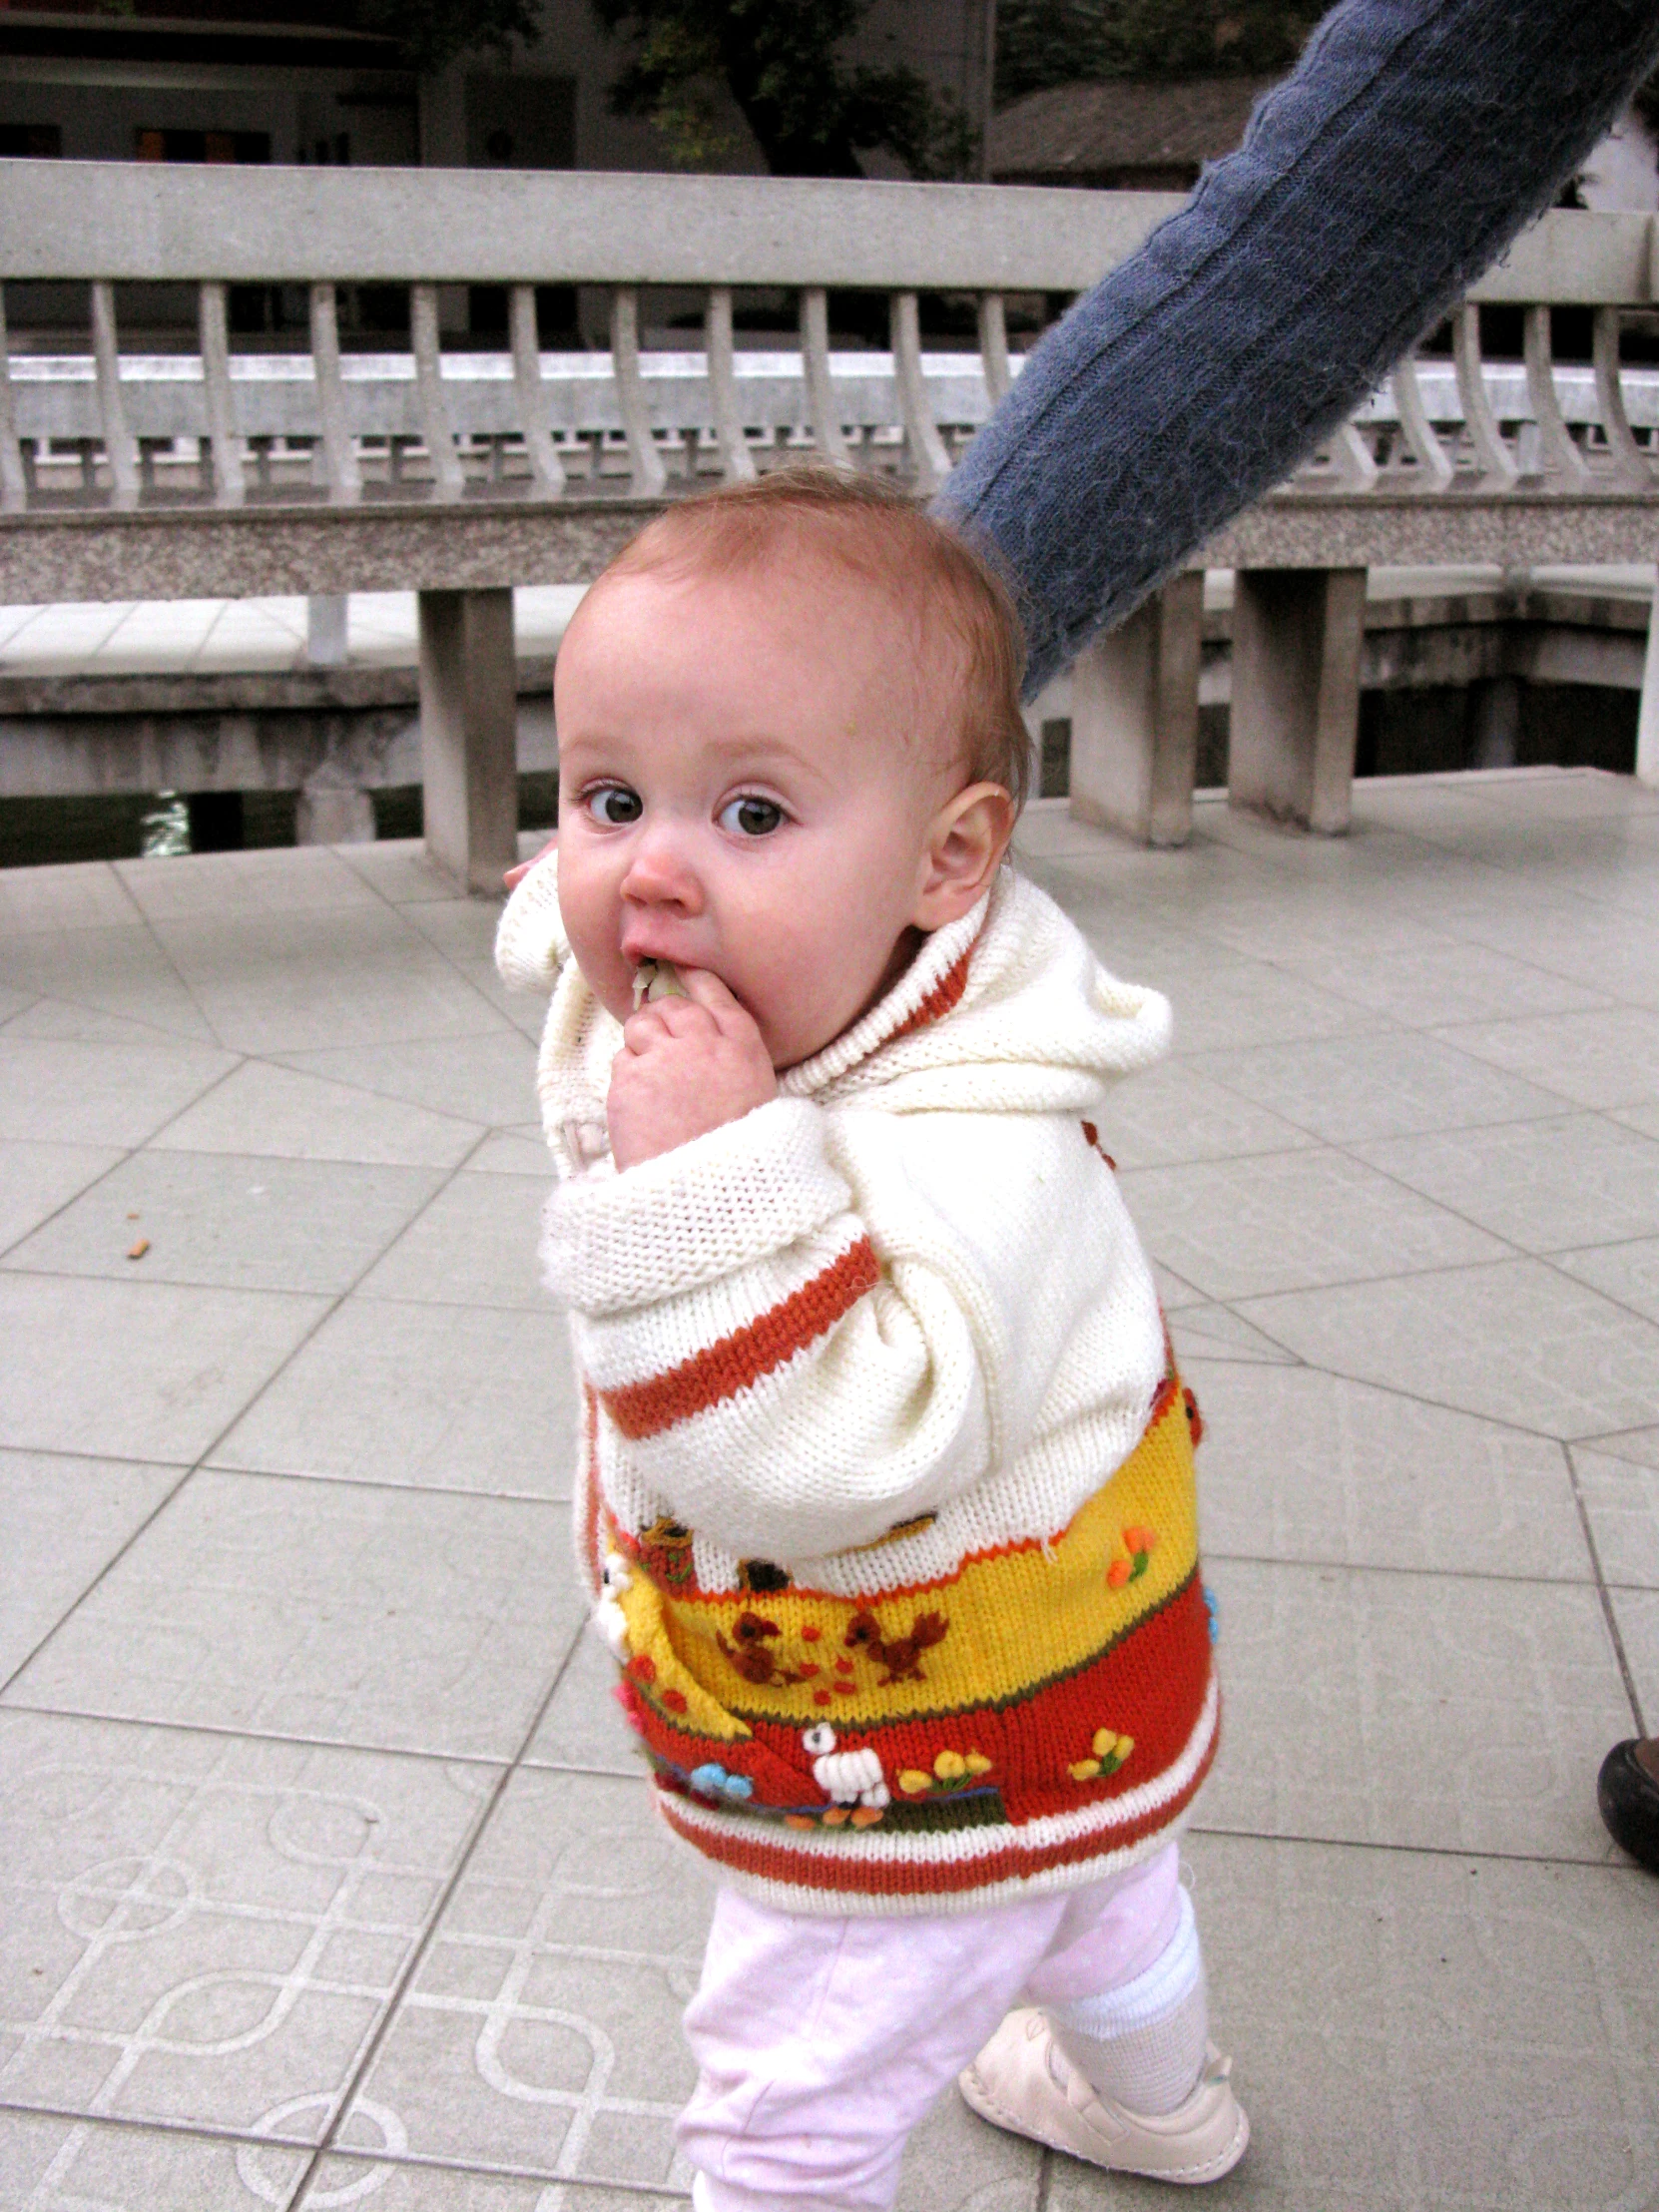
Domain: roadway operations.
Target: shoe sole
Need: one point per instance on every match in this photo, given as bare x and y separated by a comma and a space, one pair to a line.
979, 2099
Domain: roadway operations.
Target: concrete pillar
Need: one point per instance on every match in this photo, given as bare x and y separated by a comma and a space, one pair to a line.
1133, 718
325, 629
1647, 715
468, 734
333, 813
1297, 638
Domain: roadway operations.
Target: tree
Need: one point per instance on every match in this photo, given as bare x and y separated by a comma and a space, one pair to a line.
781, 63
433, 32
1062, 42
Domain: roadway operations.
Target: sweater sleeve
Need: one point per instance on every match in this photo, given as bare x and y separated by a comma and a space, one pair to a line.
1410, 145
837, 1353
530, 943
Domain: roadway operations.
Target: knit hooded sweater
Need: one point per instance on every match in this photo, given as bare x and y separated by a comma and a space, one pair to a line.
886, 1495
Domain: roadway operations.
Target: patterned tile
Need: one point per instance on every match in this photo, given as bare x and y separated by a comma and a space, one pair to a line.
37, 1177
474, 1245
1621, 1500
1601, 1059
204, 1931
58, 2165
1298, 1464
437, 1396
1291, 1220
400, 1619
1392, 1084
1477, 1338
267, 1109
62, 1090
1542, 1185
1627, 1273
1435, 1711
141, 1371
489, 1079
255, 1224
1402, 2026
542, 2030
62, 1521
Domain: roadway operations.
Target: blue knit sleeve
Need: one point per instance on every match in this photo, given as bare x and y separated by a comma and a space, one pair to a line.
1412, 142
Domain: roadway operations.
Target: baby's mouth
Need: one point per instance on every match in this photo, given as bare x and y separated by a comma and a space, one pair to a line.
656, 980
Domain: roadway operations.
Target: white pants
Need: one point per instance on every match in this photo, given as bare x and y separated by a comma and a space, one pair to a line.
822, 2043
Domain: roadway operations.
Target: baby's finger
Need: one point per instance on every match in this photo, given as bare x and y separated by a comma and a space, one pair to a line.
705, 989
665, 1018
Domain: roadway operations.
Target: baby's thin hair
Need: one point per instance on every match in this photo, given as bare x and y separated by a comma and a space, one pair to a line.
861, 523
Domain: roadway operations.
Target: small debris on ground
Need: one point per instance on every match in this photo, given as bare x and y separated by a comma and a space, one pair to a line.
140, 1249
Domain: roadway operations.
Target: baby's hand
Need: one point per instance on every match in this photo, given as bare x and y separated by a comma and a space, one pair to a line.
686, 1065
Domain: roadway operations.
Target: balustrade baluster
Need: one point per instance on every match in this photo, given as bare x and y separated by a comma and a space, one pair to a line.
120, 446
1628, 457
546, 469
720, 352
649, 475
1425, 448
14, 481
226, 446
1492, 455
1559, 451
993, 345
822, 404
928, 458
341, 472
1352, 459
448, 478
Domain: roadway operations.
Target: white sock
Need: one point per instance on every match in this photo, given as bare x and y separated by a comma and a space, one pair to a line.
1142, 2044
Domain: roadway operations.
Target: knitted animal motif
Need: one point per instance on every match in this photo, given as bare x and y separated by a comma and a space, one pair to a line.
750, 1654
845, 1777
902, 1656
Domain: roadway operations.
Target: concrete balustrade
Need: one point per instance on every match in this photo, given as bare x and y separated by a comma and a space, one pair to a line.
460, 474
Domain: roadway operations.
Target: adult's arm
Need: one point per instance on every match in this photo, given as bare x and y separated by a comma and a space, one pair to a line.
1412, 142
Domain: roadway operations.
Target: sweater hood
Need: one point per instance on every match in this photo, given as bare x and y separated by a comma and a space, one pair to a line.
1005, 1011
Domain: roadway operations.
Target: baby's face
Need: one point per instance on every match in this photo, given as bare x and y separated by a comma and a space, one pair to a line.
742, 789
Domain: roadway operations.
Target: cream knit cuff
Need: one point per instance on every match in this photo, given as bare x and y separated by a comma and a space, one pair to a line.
530, 943
720, 1203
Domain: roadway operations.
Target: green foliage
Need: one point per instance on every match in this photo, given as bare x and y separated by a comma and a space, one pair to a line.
1062, 42
433, 32
781, 62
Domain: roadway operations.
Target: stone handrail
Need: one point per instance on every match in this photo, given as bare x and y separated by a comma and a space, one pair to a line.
461, 473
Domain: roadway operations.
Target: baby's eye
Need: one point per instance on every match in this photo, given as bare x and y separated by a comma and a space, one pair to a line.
749, 817
613, 804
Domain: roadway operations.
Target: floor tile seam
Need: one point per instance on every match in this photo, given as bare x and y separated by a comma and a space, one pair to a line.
327, 1307
1483, 1854
46, 1219
127, 1459
1552, 1261
1306, 1142
1412, 1573
1231, 1299
31, 999
374, 2036
288, 1062
1609, 1612
1397, 1390
277, 1063
151, 933
134, 2124
330, 1477
223, 1732
1515, 1249
1404, 1136
144, 1279
405, 1229
331, 1304
110, 1564
434, 2162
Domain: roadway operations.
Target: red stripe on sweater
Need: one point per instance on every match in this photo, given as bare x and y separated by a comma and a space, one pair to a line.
945, 994
736, 1362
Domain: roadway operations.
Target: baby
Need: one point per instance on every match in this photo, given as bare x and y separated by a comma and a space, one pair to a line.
886, 1501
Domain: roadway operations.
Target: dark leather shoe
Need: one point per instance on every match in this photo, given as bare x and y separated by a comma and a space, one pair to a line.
1627, 1791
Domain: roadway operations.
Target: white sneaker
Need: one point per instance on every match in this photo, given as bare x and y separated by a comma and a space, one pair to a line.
1024, 2080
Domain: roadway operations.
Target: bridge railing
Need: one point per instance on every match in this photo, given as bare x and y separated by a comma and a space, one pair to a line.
224, 471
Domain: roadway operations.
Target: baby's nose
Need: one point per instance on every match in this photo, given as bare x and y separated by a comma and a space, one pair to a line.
660, 873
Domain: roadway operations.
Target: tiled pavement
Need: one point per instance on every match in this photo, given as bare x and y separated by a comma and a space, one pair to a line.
326, 1878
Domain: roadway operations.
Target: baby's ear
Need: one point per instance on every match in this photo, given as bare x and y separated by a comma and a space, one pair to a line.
966, 841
